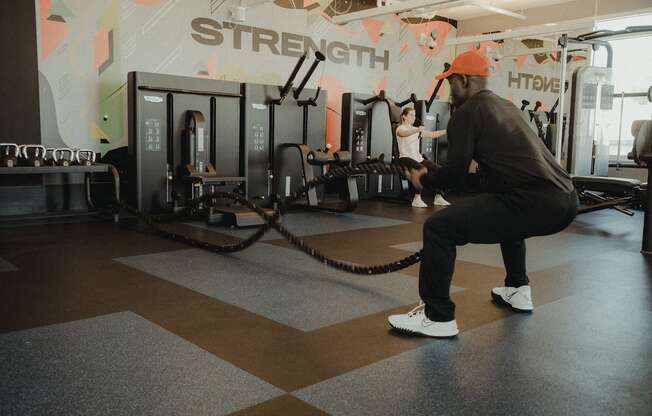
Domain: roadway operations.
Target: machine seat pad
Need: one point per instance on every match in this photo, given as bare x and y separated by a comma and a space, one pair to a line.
208, 178
606, 183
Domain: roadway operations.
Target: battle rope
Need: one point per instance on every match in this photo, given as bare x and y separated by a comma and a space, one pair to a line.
272, 221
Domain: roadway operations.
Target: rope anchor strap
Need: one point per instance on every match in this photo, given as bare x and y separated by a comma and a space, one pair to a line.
272, 222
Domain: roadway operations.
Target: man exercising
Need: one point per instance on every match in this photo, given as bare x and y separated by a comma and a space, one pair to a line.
529, 194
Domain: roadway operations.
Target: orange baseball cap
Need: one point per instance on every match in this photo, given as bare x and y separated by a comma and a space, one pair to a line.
470, 63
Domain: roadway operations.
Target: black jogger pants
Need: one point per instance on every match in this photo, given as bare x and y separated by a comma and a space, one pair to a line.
504, 218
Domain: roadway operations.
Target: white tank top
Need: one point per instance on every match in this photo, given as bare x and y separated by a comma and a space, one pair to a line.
408, 146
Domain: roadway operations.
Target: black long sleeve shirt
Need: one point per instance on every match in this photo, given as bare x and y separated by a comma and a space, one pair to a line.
490, 130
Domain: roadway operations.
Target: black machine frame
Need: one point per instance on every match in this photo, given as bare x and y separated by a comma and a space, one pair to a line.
158, 121
188, 133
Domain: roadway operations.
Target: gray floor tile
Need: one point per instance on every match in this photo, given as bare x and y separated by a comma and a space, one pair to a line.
119, 364
611, 224
571, 357
281, 284
5, 266
311, 223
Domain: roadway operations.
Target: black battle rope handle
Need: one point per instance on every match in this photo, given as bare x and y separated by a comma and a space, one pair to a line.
271, 221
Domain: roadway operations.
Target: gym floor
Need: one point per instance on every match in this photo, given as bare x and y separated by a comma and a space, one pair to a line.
92, 311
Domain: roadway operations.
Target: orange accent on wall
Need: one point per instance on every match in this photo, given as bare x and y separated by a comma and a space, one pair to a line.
520, 61
334, 128
52, 33
382, 84
442, 29
483, 46
373, 28
443, 90
335, 89
212, 66
101, 47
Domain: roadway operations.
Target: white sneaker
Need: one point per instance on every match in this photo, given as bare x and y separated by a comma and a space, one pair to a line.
519, 299
416, 322
417, 202
439, 200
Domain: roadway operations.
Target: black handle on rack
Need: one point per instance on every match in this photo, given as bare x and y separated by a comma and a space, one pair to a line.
412, 99
436, 90
318, 58
288, 83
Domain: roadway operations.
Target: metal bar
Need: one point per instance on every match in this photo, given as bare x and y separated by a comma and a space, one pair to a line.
304, 131
116, 183
87, 186
631, 94
27, 170
318, 58
540, 50
563, 42
628, 31
607, 46
598, 198
620, 129
197, 92
436, 90
603, 205
539, 30
371, 100
411, 99
288, 84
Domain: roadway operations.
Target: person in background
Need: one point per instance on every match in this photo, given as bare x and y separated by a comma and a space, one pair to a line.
408, 138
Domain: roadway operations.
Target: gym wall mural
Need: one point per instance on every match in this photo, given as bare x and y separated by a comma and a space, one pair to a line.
520, 75
86, 49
